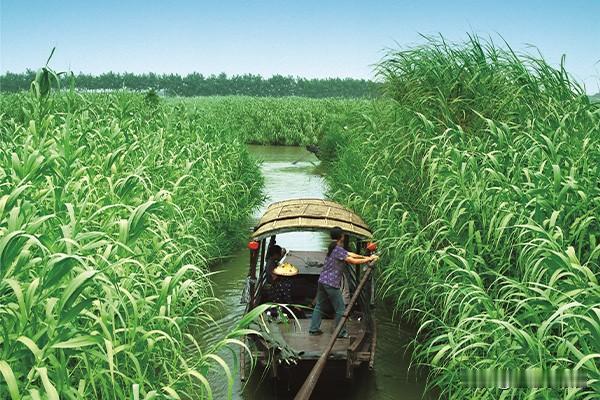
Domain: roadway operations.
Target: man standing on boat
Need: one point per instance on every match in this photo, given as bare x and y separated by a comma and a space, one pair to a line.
331, 278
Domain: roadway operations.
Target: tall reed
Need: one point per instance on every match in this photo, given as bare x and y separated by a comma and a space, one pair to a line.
479, 170
275, 121
110, 210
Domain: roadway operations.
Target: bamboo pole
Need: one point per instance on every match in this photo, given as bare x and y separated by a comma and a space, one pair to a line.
311, 381
252, 276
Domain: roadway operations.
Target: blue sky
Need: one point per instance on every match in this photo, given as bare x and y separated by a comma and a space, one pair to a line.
301, 38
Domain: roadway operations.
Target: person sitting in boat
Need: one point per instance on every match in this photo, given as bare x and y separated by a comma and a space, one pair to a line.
331, 278
281, 289
282, 283
274, 254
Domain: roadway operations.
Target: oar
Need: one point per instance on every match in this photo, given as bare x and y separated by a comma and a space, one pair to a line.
311, 381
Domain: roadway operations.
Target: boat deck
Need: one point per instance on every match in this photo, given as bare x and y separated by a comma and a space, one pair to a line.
311, 347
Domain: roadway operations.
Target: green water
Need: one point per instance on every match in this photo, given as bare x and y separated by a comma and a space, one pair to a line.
292, 172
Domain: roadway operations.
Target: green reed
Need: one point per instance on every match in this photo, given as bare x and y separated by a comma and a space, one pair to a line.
274, 121
479, 169
110, 210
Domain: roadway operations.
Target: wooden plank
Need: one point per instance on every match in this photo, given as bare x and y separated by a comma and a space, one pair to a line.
312, 347
358, 341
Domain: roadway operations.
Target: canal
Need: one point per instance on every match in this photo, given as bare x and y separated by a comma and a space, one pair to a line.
292, 172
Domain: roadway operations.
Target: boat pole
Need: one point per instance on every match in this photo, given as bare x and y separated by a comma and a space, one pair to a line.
311, 381
254, 247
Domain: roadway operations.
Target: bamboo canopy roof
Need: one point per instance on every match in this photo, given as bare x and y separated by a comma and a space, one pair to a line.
309, 215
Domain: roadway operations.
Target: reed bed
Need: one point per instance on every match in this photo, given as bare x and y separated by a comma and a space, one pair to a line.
479, 169
111, 207
275, 121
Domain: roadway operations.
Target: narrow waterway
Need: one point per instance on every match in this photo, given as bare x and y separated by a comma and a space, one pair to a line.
292, 172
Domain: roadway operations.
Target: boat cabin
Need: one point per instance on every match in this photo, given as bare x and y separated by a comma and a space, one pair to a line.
288, 339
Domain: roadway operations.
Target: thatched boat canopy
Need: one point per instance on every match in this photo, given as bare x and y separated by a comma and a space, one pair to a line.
309, 215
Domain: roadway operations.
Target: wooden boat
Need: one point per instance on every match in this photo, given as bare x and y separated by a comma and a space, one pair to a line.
288, 344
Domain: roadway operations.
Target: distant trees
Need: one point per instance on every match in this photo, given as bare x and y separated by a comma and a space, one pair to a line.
196, 84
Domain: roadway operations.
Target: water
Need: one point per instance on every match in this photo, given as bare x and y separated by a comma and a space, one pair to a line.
292, 172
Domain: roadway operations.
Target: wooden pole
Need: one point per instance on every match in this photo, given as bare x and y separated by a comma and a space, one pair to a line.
311, 381
252, 275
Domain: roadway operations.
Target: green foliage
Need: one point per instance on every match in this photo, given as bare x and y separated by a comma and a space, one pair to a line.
214, 85
336, 129
44, 79
480, 172
110, 211
278, 121
151, 98
330, 145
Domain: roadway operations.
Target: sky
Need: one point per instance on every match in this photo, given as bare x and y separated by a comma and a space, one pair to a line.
300, 38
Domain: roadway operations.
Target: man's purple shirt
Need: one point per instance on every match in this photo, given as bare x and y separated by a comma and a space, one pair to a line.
334, 267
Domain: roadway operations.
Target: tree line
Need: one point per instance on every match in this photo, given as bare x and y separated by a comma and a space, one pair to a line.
196, 84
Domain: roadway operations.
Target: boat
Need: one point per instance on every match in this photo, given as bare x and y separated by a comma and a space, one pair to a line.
287, 344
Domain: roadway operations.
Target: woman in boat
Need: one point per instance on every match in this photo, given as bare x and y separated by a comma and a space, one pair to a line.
281, 290
331, 278
283, 282
274, 254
